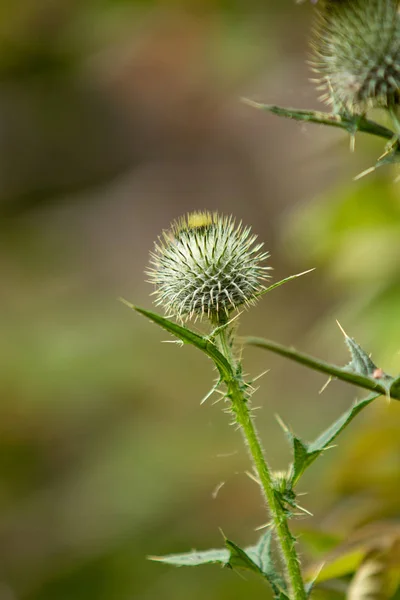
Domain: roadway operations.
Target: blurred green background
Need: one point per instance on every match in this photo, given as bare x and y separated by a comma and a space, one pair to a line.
115, 118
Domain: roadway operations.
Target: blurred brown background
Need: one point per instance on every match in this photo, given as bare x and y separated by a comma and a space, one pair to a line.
117, 116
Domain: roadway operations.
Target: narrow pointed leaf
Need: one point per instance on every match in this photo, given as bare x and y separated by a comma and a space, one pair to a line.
301, 456
299, 452
349, 123
188, 337
282, 281
330, 434
257, 559
378, 385
304, 453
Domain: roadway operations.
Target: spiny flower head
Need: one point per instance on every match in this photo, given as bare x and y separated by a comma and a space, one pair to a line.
356, 50
206, 265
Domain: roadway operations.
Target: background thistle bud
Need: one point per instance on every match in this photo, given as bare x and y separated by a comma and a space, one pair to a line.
207, 265
356, 49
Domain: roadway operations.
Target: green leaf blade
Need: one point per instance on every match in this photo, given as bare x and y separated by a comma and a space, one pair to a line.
263, 552
283, 281
239, 558
194, 558
329, 435
349, 123
257, 559
377, 385
304, 454
299, 452
187, 336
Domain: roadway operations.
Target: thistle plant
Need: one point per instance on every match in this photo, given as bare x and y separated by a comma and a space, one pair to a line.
207, 267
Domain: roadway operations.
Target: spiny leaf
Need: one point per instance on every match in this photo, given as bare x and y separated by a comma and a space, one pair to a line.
305, 453
361, 362
263, 557
379, 384
329, 435
301, 456
188, 337
264, 554
299, 451
257, 559
238, 558
326, 438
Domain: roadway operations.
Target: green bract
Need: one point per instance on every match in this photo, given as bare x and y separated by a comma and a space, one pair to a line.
207, 265
356, 52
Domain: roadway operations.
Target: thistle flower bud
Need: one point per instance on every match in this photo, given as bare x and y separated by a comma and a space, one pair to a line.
356, 49
206, 265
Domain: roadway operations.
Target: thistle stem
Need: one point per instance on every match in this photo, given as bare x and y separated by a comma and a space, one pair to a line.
239, 398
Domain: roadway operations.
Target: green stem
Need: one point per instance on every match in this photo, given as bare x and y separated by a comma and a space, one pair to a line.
239, 397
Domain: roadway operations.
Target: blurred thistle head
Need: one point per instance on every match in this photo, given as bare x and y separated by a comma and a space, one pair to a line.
207, 265
356, 52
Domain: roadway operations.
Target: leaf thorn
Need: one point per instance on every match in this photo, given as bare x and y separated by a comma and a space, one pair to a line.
282, 424
130, 305
251, 102
264, 526
261, 375
211, 392
155, 558
364, 173
253, 477
325, 385
341, 329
